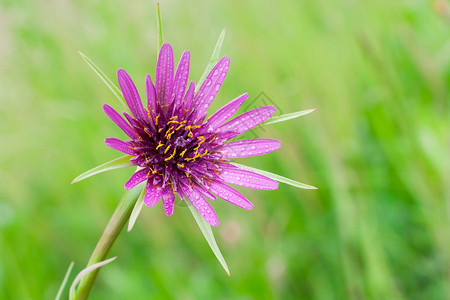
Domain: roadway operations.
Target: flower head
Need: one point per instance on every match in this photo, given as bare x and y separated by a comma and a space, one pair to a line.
177, 150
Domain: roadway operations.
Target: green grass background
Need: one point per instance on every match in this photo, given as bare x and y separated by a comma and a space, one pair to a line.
378, 149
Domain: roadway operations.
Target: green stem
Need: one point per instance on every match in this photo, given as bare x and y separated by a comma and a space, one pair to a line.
112, 231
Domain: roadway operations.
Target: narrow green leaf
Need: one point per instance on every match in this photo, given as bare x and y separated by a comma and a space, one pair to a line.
86, 271
213, 61
136, 210
208, 234
116, 91
159, 29
286, 117
276, 177
63, 284
121, 162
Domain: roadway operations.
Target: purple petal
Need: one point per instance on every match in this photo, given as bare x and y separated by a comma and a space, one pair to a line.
137, 178
119, 145
226, 112
164, 74
117, 118
131, 95
210, 87
152, 194
132, 121
207, 194
247, 121
234, 175
246, 148
138, 161
151, 93
168, 199
202, 206
181, 77
189, 96
229, 194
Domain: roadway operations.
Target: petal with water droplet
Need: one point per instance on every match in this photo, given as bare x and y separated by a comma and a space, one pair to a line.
229, 194
152, 194
131, 95
234, 175
246, 148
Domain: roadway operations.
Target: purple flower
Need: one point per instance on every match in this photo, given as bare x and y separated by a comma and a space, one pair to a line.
179, 151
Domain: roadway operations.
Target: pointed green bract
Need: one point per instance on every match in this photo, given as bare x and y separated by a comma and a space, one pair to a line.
289, 116
116, 91
213, 61
136, 210
86, 271
121, 162
63, 284
159, 29
208, 234
276, 177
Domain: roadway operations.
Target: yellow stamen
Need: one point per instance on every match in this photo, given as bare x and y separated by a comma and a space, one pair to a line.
147, 132
168, 136
170, 132
173, 122
173, 154
167, 149
182, 153
149, 112
156, 120
159, 145
174, 117
180, 165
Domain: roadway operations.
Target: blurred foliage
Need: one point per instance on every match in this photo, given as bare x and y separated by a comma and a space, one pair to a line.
378, 146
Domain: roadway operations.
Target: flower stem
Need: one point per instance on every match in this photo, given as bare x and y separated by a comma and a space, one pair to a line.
112, 231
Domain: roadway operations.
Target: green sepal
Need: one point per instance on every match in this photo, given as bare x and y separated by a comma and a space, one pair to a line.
85, 272
64, 282
208, 234
289, 116
213, 61
276, 177
116, 91
136, 210
121, 162
159, 30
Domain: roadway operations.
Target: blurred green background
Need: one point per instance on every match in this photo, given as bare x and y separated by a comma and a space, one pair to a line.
377, 71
